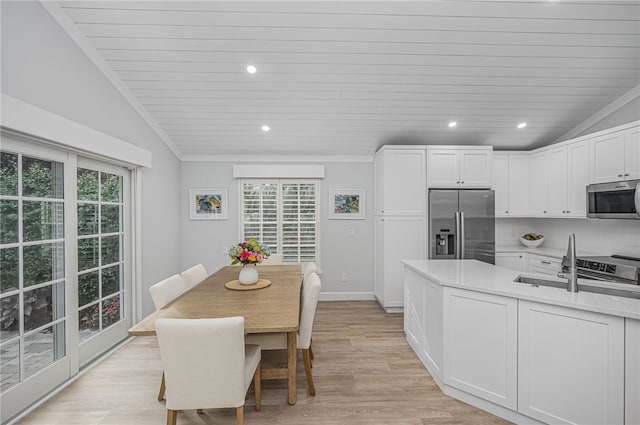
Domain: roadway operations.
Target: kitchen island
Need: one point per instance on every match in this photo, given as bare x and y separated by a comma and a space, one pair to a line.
527, 354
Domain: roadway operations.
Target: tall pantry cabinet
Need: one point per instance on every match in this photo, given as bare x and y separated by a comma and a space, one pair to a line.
400, 218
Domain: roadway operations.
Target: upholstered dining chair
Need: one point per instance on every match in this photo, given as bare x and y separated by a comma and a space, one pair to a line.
194, 275
274, 260
311, 267
207, 365
308, 304
162, 293
167, 290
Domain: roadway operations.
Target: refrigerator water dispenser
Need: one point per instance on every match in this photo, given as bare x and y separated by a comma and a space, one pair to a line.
444, 244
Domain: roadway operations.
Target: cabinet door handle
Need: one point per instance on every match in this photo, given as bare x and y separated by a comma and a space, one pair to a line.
545, 262
506, 212
626, 175
620, 175
568, 211
463, 180
544, 212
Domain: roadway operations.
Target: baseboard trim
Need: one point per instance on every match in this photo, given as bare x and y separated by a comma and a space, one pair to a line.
347, 296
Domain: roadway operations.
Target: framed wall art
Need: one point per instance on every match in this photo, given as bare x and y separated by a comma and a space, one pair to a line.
208, 204
346, 204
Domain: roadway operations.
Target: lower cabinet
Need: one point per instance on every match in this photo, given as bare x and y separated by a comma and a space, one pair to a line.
423, 320
544, 264
632, 372
525, 360
511, 260
396, 238
570, 365
480, 345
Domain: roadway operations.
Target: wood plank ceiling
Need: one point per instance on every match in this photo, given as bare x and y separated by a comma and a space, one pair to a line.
348, 77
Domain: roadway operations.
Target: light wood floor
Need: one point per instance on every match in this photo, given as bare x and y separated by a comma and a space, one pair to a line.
364, 371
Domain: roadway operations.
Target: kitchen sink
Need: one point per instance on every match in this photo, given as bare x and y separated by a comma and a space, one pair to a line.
616, 292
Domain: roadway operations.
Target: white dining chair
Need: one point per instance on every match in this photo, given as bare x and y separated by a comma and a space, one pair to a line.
194, 275
278, 341
167, 290
273, 260
311, 267
162, 293
207, 365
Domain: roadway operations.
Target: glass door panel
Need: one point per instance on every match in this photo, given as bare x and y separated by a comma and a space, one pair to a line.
102, 321
32, 268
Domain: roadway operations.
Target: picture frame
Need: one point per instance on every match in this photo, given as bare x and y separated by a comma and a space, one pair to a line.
208, 204
347, 204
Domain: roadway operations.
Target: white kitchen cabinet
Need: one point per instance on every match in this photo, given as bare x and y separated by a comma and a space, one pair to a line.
423, 320
480, 345
539, 184
558, 178
577, 179
396, 238
400, 180
543, 264
632, 372
511, 260
511, 184
616, 156
568, 179
570, 365
459, 167
632, 154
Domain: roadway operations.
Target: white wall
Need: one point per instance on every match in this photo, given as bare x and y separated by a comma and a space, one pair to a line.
42, 66
626, 114
206, 242
597, 236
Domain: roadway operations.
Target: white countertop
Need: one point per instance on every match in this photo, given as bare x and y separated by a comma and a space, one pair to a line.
551, 252
482, 277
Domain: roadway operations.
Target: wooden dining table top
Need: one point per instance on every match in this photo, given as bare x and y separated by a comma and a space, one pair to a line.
275, 308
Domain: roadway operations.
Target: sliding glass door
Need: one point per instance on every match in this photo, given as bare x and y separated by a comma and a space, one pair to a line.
64, 267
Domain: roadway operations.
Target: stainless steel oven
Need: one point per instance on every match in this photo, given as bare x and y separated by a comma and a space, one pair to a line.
614, 268
614, 200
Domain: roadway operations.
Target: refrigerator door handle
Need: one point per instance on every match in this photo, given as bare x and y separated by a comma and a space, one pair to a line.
457, 251
461, 236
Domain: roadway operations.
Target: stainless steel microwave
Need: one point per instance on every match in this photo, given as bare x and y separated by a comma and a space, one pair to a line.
614, 200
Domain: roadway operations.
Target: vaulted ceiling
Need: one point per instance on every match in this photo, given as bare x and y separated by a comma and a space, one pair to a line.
347, 77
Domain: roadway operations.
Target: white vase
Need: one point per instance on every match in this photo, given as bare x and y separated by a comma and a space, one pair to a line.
248, 274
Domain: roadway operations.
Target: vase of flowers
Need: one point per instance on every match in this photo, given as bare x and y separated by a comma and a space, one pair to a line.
248, 253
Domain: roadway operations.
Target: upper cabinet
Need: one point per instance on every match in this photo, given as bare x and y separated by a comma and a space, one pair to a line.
400, 180
616, 156
459, 167
539, 183
511, 184
559, 176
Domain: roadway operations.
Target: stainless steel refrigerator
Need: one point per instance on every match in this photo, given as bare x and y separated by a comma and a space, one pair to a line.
462, 224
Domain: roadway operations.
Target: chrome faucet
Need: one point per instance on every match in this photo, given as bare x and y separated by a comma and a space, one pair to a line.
571, 273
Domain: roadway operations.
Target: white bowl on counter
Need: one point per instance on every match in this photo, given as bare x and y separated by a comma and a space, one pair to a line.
533, 244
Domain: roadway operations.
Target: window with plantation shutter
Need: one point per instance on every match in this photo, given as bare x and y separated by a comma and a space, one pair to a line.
284, 215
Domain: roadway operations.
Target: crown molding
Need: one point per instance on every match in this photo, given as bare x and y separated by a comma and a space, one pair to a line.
322, 159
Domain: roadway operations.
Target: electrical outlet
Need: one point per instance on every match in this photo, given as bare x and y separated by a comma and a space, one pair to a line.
344, 278
225, 250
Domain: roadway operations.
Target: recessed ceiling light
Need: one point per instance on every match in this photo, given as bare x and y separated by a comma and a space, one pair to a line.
453, 124
522, 125
266, 128
251, 69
